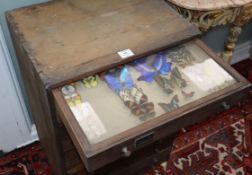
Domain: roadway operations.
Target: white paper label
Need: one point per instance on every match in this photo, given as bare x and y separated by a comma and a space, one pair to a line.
125, 53
88, 120
207, 75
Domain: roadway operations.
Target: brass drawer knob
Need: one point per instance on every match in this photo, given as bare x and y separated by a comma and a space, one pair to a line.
225, 105
126, 152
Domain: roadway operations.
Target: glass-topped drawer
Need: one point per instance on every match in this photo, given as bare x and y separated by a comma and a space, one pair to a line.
125, 108
114, 101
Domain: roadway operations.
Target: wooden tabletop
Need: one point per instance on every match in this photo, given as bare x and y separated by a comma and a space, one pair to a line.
70, 38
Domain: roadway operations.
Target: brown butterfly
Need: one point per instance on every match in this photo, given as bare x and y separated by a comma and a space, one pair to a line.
187, 95
172, 105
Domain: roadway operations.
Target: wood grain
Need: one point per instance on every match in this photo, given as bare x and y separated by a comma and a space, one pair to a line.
67, 39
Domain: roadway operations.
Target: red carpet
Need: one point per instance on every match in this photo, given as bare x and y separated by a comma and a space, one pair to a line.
210, 148
214, 147
29, 160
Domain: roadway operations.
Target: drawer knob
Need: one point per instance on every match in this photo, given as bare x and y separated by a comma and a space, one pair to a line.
225, 105
126, 152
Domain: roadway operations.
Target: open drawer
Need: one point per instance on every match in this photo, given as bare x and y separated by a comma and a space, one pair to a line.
114, 113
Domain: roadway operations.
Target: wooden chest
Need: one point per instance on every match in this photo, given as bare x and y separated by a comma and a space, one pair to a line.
110, 82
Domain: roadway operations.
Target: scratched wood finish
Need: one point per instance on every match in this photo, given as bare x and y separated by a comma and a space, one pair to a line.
69, 38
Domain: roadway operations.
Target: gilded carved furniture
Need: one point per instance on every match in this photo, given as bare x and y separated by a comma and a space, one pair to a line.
208, 14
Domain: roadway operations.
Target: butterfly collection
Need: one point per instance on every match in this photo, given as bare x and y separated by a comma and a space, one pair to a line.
162, 69
120, 81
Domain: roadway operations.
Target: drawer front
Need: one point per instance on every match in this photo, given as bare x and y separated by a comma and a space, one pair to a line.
115, 113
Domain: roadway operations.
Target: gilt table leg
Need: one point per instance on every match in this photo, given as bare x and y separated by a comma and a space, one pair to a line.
244, 16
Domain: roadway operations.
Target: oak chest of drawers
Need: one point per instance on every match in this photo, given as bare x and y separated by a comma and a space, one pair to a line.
110, 82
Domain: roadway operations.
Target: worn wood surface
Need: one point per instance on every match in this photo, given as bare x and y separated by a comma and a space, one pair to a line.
98, 155
71, 38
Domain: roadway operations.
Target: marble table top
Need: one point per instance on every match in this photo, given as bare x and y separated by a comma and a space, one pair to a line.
209, 4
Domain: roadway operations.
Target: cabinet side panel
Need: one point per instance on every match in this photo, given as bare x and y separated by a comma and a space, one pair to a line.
39, 102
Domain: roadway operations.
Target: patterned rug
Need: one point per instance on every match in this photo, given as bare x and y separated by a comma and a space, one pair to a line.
214, 147
29, 160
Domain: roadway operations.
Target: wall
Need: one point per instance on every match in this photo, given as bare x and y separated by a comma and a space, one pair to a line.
6, 5
15, 130
216, 37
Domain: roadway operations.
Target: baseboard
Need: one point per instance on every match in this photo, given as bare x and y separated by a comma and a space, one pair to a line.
34, 137
242, 52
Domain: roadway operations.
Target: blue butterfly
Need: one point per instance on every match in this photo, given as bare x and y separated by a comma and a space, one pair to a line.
112, 82
148, 77
161, 64
126, 78
147, 72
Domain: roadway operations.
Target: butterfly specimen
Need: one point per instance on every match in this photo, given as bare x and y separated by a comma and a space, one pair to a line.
113, 82
126, 78
147, 72
164, 83
172, 105
177, 78
187, 95
161, 64
127, 98
138, 95
144, 110
117, 84
120, 81
168, 84
91, 81
148, 77
181, 56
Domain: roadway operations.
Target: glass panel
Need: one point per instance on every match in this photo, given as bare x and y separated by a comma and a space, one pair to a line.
122, 98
